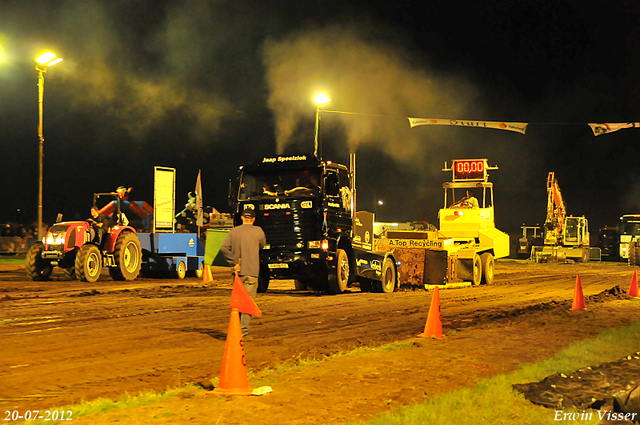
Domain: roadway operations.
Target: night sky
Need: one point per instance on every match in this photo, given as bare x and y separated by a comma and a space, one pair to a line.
211, 85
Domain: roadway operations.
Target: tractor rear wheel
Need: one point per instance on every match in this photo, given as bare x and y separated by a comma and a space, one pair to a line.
35, 266
128, 256
88, 263
488, 264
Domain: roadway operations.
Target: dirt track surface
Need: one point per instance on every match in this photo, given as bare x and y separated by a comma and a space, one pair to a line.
67, 341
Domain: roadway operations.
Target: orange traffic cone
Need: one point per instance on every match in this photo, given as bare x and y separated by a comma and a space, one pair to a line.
578, 298
242, 301
233, 375
206, 274
633, 290
433, 326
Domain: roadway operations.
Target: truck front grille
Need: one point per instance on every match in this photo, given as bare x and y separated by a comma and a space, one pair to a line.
291, 227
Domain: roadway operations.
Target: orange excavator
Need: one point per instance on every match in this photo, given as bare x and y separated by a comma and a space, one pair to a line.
565, 236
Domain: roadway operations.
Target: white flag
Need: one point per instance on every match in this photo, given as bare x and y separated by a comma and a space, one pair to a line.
200, 215
605, 128
519, 127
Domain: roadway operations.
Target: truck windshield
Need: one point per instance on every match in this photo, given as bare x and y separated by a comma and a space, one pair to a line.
281, 183
630, 227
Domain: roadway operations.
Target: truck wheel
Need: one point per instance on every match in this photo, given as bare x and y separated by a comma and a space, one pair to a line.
263, 282
477, 270
88, 263
128, 257
35, 266
388, 283
181, 271
488, 263
70, 273
339, 279
631, 250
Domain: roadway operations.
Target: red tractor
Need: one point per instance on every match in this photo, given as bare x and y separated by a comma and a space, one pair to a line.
77, 247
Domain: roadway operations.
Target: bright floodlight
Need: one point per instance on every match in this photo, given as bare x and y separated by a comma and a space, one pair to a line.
380, 202
48, 59
321, 98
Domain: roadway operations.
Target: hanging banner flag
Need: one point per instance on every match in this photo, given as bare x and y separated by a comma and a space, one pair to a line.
200, 215
519, 127
605, 128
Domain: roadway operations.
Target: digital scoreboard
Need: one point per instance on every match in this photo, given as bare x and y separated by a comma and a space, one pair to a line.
469, 169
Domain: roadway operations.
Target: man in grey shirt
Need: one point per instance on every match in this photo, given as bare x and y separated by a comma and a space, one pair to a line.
242, 248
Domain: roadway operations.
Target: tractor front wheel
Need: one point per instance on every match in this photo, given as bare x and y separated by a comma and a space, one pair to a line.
88, 263
35, 266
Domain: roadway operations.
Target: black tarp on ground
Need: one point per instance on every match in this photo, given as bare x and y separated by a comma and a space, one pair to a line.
612, 386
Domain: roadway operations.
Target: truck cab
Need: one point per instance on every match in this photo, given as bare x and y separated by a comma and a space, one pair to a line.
304, 205
306, 208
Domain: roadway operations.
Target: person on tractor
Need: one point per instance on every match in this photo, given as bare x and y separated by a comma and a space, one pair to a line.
99, 225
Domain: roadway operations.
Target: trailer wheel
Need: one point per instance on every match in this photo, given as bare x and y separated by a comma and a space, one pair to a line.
631, 249
388, 283
200, 272
263, 281
477, 270
128, 256
88, 263
339, 279
35, 266
181, 271
488, 263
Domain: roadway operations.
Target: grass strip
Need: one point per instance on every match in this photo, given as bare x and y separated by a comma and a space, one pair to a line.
105, 405
493, 401
11, 260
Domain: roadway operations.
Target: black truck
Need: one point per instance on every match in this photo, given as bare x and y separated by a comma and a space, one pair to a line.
306, 208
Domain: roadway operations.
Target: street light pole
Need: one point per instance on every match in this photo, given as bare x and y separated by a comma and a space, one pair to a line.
319, 99
41, 151
42, 61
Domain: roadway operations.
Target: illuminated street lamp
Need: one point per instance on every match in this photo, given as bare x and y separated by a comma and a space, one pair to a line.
320, 99
42, 62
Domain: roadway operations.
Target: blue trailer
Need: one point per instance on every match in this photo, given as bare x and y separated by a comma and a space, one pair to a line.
178, 254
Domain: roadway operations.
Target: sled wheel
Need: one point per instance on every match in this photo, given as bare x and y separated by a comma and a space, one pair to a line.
487, 261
